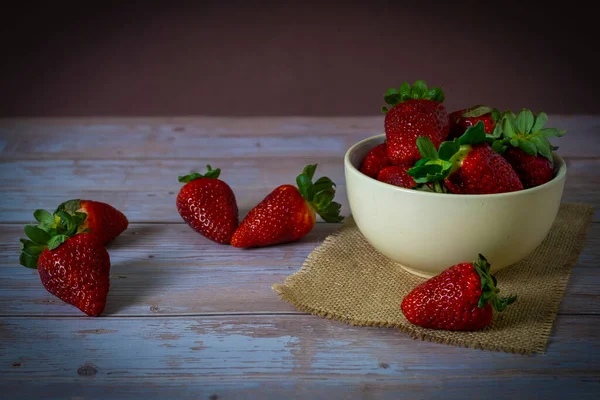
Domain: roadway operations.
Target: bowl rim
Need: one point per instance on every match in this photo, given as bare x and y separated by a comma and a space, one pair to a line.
560, 168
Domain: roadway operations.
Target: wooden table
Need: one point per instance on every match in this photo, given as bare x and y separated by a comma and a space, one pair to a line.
187, 318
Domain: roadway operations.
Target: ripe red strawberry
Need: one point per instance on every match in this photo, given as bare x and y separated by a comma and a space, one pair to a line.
523, 141
208, 205
461, 298
397, 175
101, 219
72, 266
288, 213
467, 165
375, 160
414, 112
460, 120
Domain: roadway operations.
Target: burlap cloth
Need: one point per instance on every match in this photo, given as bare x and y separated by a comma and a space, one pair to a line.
346, 279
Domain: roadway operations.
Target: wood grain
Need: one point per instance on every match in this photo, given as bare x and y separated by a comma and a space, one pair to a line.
171, 270
279, 357
206, 137
187, 318
145, 190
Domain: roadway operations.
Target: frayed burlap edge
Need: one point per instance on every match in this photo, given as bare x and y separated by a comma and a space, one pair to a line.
422, 334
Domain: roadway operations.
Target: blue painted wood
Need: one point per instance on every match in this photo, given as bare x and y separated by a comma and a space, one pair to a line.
205, 137
236, 354
164, 269
145, 190
188, 319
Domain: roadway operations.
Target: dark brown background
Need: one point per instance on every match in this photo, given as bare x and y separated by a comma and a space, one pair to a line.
293, 58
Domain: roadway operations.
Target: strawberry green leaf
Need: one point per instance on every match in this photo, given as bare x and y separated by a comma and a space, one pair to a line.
473, 135
552, 132
496, 114
43, 217
543, 146
514, 142
540, 121
524, 121
34, 250
69, 206
322, 183
489, 291
56, 241
436, 94
305, 186
392, 96
37, 235
323, 198
528, 147
210, 173
309, 170
418, 90
448, 149
28, 261
405, 90
427, 148
499, 146
477, 111
332, 213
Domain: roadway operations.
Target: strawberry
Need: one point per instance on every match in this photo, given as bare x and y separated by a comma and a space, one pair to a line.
208, 205
414, 112
523, 141
467, 165
460, 120
72, 266
396, 175
102, 219
288, 212
375, 160
461, 298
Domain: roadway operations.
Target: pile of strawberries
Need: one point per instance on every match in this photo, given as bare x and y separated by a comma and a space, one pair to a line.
477, 150
68, 246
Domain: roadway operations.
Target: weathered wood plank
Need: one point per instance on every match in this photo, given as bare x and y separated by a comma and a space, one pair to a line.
161, 269
278, 358
145, 190
204, 137
309, 388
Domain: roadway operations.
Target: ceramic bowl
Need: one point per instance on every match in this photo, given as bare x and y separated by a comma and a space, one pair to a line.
426, 232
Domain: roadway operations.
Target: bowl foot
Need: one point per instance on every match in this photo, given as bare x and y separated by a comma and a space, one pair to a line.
417, 273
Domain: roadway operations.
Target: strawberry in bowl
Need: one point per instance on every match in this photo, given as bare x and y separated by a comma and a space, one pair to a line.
484, 189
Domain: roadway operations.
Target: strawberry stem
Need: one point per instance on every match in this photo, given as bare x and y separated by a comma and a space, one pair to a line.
319, 194
489, 291
418, 90
52, 231
211, 173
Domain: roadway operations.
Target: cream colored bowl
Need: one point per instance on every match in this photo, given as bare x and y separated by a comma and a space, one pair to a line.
427, 232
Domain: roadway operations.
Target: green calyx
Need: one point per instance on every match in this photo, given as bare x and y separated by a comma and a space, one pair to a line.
319, 194
437, 164
418, 90
489, 291
526, 131
210, 173
51, 231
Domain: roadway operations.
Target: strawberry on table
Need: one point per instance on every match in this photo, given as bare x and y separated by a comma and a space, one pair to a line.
461, 298
397, 175
523, 141
288, 213
72, 266
460, 120
208, 205
467, 165
414, 111
375, 160
101, 219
